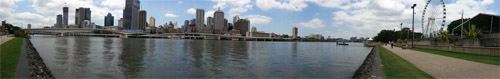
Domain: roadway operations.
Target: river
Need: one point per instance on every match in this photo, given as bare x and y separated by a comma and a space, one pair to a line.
99, 57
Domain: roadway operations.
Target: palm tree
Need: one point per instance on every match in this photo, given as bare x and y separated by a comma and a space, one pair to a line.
472, 32
445, 35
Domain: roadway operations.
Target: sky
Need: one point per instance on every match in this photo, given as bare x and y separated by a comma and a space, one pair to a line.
334, 18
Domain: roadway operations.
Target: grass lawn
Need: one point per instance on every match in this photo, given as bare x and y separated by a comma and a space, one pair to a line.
9, 54
397, 67
494, 60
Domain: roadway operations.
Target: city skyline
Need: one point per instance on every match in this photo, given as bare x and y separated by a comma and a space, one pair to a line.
339, 19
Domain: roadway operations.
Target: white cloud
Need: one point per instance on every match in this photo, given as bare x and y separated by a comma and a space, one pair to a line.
237, 6
191, 11
258, 19
50, 8
209, 14
366, 18
314, 24
294, 5
179, 2
169, 15
120, 4
7, 7
36, 20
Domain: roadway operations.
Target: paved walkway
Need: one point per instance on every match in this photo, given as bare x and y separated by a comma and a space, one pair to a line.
446, 67
22, 70
4, 39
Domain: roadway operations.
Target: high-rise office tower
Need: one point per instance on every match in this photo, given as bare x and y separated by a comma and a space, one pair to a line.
236, 18
186, 24
254, 29
109, 20
29, 26
65, 17
120, 23
200, 16
82, 14
243, 25
142, 20
131, 14
226, 29
219, 20
152, 22
59, 23
210, 23
295, 31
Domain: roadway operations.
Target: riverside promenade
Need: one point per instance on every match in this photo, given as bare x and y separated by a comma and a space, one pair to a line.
4, 38
446, 67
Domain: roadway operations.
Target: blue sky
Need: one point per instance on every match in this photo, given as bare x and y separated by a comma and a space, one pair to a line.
335, 18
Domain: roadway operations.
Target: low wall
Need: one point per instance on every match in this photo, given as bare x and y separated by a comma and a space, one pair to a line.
38, 69
371, 67
489, 51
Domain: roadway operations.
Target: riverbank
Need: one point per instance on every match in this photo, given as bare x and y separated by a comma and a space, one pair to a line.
37, 67
371, 67
9, 56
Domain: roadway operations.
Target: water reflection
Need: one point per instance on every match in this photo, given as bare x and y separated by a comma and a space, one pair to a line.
132, 57
96, 57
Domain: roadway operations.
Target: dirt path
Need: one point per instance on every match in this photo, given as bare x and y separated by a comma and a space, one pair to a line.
447, 67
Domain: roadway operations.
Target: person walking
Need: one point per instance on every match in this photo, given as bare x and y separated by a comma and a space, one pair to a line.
392, 44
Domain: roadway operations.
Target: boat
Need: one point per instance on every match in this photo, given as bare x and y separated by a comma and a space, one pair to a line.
235, 39
343, 43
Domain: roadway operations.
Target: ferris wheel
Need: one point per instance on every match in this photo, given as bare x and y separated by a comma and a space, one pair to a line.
433, 18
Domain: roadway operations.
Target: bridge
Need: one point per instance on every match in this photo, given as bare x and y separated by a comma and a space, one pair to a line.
77, 31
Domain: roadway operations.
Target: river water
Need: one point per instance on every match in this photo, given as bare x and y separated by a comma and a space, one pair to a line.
99, 57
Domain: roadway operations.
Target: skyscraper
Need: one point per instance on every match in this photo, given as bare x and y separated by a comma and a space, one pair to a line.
65, 17
82, 14
236, 18
142, 20
59, 23
131, 14
109, 20
254, 29
186, 24
210, 23
243, 25
295, 32
120, 23
219, 20
200, 16
152, 21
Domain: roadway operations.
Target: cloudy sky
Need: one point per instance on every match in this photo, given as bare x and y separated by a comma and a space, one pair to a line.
335, 18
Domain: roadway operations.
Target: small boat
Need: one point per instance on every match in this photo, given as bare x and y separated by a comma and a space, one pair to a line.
235, 39
343, 43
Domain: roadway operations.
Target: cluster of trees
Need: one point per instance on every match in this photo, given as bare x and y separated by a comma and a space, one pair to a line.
392, 35
17, 31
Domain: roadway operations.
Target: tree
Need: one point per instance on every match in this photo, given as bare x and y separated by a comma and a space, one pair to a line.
386, 36
472, 32
445, 36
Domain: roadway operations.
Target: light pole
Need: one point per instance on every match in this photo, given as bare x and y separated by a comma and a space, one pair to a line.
401, 26
412, 25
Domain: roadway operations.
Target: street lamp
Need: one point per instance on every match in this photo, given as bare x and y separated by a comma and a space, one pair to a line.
412, 25
401, 26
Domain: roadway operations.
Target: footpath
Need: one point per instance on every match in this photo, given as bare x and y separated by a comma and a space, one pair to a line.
446, 67
4, 39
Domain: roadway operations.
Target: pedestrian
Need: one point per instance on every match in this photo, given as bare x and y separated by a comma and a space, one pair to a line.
392, 44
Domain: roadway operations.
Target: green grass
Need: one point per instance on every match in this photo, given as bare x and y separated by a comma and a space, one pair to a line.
397, 67
9, 56
494, 60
